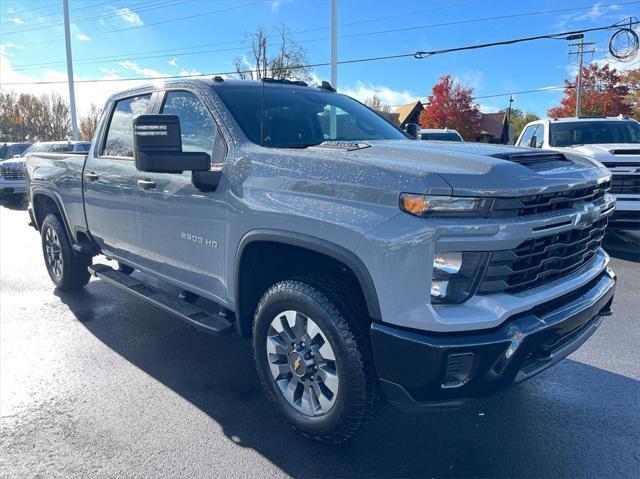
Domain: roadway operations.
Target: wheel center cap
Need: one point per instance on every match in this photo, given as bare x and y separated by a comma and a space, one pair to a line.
297, 364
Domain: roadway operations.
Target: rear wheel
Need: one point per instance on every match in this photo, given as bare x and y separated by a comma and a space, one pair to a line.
67, 270
313, 360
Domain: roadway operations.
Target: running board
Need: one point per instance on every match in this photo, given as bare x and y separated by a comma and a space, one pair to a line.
210, 322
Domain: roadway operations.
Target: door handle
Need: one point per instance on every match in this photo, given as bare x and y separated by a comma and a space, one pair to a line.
92, 176
146, 184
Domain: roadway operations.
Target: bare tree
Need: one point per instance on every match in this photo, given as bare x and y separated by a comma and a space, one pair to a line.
89, 123
375, 103
286, 63
28, 117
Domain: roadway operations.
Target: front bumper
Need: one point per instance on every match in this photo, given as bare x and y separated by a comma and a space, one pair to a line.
448, 368
9, 187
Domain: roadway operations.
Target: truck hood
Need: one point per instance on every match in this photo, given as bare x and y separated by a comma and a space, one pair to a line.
470, 169
607, 152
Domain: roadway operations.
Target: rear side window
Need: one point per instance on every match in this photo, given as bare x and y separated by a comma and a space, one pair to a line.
120, 135
196, 125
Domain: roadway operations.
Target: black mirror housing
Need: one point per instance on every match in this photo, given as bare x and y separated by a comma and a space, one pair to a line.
157, 146
412, 130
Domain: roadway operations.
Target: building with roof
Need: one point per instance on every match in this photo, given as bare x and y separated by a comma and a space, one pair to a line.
409, 113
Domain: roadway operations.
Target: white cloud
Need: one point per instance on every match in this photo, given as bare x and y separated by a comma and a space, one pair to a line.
86, 93
148, 72
10, 10
186, 73
388, 96
593, 14
173, 62
82, 37
488, 108
18, 21
129, 16
275, 5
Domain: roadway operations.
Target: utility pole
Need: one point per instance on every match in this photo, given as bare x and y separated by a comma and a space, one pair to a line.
72, 93
580, 54
333, 126
509, 119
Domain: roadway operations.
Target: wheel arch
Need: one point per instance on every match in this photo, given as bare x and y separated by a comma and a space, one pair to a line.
44, 202
302, 244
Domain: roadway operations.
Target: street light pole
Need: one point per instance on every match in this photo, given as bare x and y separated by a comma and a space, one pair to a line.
72, 93
333, 126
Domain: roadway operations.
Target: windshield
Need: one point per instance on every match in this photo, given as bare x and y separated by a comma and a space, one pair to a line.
297, 117
440, 137
594, 132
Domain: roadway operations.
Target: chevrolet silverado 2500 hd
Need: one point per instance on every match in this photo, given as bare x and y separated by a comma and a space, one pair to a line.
362, 264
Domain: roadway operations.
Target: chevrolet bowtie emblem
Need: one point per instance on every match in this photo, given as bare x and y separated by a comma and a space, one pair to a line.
296, 363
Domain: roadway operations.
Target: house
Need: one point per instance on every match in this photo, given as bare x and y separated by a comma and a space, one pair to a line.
409, 113
495, 128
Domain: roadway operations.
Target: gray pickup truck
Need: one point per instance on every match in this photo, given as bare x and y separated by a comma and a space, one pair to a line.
363, 265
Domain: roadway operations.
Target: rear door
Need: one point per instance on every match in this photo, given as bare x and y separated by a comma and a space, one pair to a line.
183, 228
110, 176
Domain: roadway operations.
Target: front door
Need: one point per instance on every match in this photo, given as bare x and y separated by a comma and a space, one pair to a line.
183, 228
110, 182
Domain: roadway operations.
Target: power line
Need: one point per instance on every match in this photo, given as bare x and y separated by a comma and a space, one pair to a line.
114, 58
56, 4
48, 5
417, 55
161, 22
118, 12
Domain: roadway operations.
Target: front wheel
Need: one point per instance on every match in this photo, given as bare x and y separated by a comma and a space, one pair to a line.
67, 270
313, 360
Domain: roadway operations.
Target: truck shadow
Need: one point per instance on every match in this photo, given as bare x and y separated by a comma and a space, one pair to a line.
19, 203
574, 420
623, 244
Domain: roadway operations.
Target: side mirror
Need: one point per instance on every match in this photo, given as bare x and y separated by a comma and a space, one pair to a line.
533, 142
412, 130
157, 146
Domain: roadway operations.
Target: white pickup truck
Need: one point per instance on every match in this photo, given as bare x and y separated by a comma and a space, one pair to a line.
612, 141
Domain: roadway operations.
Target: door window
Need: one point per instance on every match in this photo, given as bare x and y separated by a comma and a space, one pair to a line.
120, 135
539, 136
196, 125
526, 136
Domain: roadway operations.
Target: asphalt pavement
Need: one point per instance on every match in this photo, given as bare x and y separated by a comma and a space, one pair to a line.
100, 384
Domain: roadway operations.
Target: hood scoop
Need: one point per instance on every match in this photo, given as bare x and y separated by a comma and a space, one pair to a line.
621, 152
536, 161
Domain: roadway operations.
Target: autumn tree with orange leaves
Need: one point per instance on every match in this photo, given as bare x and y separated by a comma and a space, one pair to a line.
603, 94
451, 106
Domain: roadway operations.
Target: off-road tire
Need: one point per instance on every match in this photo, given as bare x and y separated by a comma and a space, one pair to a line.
336, 308
74, 273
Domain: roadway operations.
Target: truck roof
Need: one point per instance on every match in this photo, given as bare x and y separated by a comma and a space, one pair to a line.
218, 81
582, 119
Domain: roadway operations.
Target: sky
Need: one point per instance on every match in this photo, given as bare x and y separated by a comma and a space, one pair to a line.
125, 39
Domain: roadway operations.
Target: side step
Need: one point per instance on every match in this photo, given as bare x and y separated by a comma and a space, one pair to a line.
198, 317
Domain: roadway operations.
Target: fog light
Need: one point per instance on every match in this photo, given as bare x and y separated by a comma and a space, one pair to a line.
455, 275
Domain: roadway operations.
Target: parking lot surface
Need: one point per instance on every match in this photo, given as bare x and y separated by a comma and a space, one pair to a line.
98, 383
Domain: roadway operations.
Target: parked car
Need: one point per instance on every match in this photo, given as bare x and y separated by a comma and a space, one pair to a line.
612, 141
11, 150
12, 172
361, 264
439, 134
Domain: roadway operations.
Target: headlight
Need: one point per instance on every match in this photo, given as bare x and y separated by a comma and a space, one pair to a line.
423, 205
456, 275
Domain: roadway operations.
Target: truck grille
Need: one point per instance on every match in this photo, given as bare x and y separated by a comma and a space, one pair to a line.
541, 260
12, 173
625, 185
542, 203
